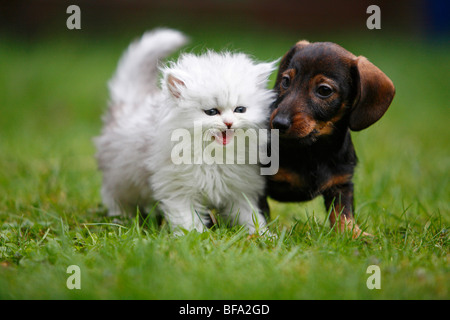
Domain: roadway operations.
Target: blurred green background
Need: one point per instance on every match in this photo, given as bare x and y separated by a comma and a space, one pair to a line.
53, 80
53, 93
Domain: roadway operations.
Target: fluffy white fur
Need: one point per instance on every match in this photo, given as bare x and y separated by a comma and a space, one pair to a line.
134, 149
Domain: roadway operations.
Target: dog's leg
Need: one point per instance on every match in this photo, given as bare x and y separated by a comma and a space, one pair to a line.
339, 202
264, 208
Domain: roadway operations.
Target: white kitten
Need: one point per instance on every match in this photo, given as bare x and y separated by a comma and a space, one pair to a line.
221, 92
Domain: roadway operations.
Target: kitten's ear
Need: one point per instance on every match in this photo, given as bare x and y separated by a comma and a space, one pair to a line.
265, 69
174, 85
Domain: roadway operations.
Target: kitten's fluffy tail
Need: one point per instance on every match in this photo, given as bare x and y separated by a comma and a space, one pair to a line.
137, 73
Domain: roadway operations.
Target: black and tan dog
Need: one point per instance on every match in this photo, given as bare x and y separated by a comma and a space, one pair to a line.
324, 91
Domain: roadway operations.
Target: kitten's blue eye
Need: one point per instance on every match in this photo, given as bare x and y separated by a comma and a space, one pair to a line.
240, 109
211, 112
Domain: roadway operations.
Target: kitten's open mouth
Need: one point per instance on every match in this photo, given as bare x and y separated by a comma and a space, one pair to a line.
224, 137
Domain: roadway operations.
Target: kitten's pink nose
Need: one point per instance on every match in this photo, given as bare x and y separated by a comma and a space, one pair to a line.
228, 124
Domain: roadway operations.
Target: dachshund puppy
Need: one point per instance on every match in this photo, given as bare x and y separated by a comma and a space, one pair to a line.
324, 91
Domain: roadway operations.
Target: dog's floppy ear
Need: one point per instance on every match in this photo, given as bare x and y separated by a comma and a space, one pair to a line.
174, 84
286, 60
375, 92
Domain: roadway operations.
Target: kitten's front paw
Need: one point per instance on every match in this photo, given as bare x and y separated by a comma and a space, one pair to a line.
180, 231
269, 235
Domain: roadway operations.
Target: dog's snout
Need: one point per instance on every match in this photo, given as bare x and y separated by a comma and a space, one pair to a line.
281, 123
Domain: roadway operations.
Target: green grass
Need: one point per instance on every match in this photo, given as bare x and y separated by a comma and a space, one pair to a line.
52, 95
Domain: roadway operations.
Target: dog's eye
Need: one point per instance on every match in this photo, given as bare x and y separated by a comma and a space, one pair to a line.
211, 112
285, 82
240, 109
324, 91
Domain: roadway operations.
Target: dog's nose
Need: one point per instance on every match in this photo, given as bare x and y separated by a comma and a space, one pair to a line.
281, 123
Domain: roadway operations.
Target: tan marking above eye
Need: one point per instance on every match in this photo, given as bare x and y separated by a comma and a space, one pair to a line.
289, 73
321, 79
